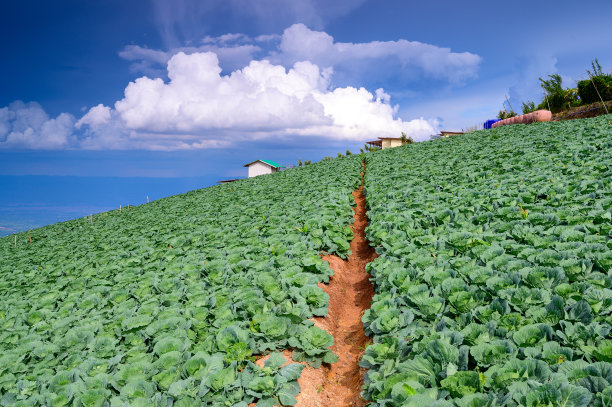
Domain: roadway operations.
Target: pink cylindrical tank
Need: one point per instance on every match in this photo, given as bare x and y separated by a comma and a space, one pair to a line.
537, 116
542, 115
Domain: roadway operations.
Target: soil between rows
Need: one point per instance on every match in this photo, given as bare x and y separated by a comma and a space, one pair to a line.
350, 294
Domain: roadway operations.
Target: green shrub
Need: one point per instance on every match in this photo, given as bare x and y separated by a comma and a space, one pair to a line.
557, 98
528, 107
505, 115
587, 92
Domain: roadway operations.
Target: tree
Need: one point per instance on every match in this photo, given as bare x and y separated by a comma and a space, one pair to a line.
505, 115
557, 97
597, 87
406, 140
596, 69
299, 162
528, 107
368, 148
348, 152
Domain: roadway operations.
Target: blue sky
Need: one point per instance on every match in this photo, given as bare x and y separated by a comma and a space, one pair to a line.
189, 89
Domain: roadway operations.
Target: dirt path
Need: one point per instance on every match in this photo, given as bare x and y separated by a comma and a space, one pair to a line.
350, 292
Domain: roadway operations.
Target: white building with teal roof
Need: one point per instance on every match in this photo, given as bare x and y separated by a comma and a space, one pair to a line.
260, 167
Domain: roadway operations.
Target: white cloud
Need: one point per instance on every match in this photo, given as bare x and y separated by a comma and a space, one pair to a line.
96, 116
203, 104
232, 55
413, 58
201, 108
27, 125
353, 63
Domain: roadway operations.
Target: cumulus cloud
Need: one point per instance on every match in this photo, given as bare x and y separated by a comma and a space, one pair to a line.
353, 63
199, 107
414, 58
27, 125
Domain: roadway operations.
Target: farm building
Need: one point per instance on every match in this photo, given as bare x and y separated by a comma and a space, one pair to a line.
386, 142
260, 167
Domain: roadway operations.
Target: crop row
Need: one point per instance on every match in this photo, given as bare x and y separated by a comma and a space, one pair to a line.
493, 285
168, 303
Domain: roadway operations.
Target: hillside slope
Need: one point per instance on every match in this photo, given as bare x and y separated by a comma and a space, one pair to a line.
170, 301
493, 284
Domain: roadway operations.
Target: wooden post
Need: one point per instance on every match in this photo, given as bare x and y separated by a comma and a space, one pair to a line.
90, 218
119, 208
511, 109
147, 198
30, 235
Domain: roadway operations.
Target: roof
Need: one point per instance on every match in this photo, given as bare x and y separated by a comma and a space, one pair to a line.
269, 162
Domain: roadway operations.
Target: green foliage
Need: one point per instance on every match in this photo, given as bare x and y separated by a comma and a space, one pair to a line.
556, 97
368, 148
528, 107
406, 140
587, 91
302, 163
597, 71
167, 303
493, 282
503, 114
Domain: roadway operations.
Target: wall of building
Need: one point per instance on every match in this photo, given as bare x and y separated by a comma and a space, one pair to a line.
259, 168
388, 143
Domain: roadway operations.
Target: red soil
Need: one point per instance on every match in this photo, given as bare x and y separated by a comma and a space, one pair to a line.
350, 292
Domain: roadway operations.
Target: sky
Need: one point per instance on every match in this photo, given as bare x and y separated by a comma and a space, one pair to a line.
182, 93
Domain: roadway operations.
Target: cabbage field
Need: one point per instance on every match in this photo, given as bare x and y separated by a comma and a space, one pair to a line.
493, 285
493, 282
167, 303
